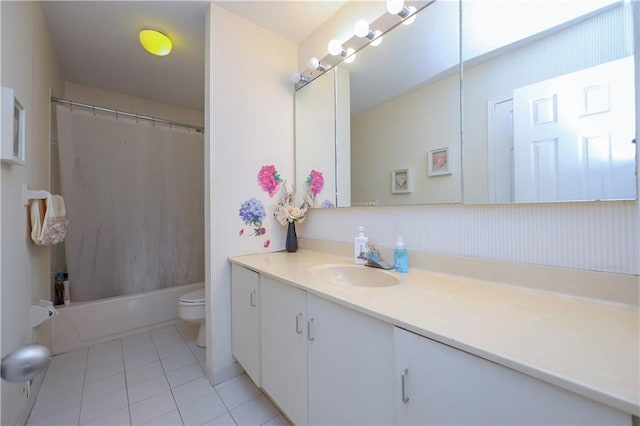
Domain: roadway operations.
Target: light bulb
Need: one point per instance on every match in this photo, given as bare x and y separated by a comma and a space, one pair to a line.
314, 63
395, 6
412, 16
378, 38
351, 56
296, 77
362, 28
335, 48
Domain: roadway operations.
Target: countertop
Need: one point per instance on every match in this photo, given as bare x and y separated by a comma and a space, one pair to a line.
586, 346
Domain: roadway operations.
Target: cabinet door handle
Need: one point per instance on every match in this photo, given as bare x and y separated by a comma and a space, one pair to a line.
309, 334
299, 323
403, 377
252, 298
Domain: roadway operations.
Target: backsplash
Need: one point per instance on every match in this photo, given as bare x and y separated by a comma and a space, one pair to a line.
598, 236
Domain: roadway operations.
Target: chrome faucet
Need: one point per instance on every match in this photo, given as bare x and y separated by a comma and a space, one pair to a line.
373, 258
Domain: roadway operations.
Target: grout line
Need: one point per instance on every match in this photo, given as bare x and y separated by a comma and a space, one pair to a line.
84, 381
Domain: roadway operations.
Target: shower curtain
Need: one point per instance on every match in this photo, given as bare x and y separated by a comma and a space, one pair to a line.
134, 198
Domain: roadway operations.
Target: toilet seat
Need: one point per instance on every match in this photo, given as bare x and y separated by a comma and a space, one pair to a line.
193, 298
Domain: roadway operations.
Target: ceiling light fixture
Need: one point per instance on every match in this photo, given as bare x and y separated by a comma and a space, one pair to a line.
397, 7
362, 29
412, 17
335, 48
314, 64
155, 42
296, 77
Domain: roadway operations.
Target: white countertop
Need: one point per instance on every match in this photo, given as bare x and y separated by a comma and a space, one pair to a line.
585, 346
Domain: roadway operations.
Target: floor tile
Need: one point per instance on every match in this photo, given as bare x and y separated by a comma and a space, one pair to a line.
145, 372
191, 391
55, 402
139, 359
119, 418
103, 405
103, 387
104, 355
237, 391
103, 371
278, 420
152, 408
184, 374
202, 409
146, 389
176, 361
166, 336
74, 381
136, 344
170, 419
255, 412
65, 417
223, 420
174, 349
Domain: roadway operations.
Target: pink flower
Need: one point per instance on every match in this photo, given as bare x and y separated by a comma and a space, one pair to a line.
315, 182
261, 231
266, 244
269, 180
241, 233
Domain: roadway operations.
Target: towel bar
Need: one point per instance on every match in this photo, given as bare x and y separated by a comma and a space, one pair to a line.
27, 194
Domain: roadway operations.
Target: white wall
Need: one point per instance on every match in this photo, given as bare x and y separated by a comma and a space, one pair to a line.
30, 68
249, 123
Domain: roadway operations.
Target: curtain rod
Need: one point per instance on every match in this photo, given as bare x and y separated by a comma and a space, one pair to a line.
128, 114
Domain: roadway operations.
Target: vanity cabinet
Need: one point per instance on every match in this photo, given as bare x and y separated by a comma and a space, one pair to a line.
245, 320
437, 384
323, 363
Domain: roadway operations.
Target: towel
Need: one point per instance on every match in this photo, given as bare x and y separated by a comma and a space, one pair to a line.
48, 221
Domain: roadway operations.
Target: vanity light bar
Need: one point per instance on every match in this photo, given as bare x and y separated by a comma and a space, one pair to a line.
364, 35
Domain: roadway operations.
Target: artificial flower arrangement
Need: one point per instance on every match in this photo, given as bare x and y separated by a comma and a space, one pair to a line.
292, 208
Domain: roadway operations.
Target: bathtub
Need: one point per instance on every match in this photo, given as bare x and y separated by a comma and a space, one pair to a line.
82, 324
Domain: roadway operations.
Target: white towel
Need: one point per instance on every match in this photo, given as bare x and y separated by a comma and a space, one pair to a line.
48, 221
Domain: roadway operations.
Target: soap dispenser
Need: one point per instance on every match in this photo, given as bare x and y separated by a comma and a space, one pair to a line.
400, 257
360, 246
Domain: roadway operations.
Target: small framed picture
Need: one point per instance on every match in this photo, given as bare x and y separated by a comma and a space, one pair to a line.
439, 162
13, 129
402, 181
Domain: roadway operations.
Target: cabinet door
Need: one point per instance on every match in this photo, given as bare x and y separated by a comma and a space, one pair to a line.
245, 320
284, 347
350, 366
443, 385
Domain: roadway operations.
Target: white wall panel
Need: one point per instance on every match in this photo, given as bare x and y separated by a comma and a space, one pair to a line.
600, 236
249, 123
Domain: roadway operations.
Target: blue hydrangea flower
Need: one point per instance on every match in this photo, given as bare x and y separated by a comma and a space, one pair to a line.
252, 212
327, 204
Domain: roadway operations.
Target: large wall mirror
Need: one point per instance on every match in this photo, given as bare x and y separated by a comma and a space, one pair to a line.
547, 107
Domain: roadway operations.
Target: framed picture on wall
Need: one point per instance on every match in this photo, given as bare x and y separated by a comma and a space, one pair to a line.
402, 181
438, 162
13, 129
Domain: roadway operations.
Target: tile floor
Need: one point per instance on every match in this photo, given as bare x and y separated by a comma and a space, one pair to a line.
152, 378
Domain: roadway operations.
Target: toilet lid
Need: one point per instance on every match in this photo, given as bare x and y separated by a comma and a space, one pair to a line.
196, 296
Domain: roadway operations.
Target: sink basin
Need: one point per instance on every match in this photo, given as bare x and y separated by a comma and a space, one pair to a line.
354, 275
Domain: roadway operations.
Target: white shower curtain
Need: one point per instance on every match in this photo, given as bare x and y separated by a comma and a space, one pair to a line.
134, 199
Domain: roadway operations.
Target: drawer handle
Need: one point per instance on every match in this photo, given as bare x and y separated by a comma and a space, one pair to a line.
309, 335
403, 377
252, 298
299, 323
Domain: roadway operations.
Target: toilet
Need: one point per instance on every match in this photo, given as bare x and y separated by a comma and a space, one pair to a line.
191, 309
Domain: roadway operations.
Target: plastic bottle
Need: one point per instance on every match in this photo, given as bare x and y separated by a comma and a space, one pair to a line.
58, 287
360, 246
400, 257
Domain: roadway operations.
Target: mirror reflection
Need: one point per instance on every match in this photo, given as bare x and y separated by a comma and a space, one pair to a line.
548, 101
548, 108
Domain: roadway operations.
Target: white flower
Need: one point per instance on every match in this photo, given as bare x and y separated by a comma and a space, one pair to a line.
288, 209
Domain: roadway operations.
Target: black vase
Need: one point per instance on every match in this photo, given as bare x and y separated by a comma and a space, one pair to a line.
292, 238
